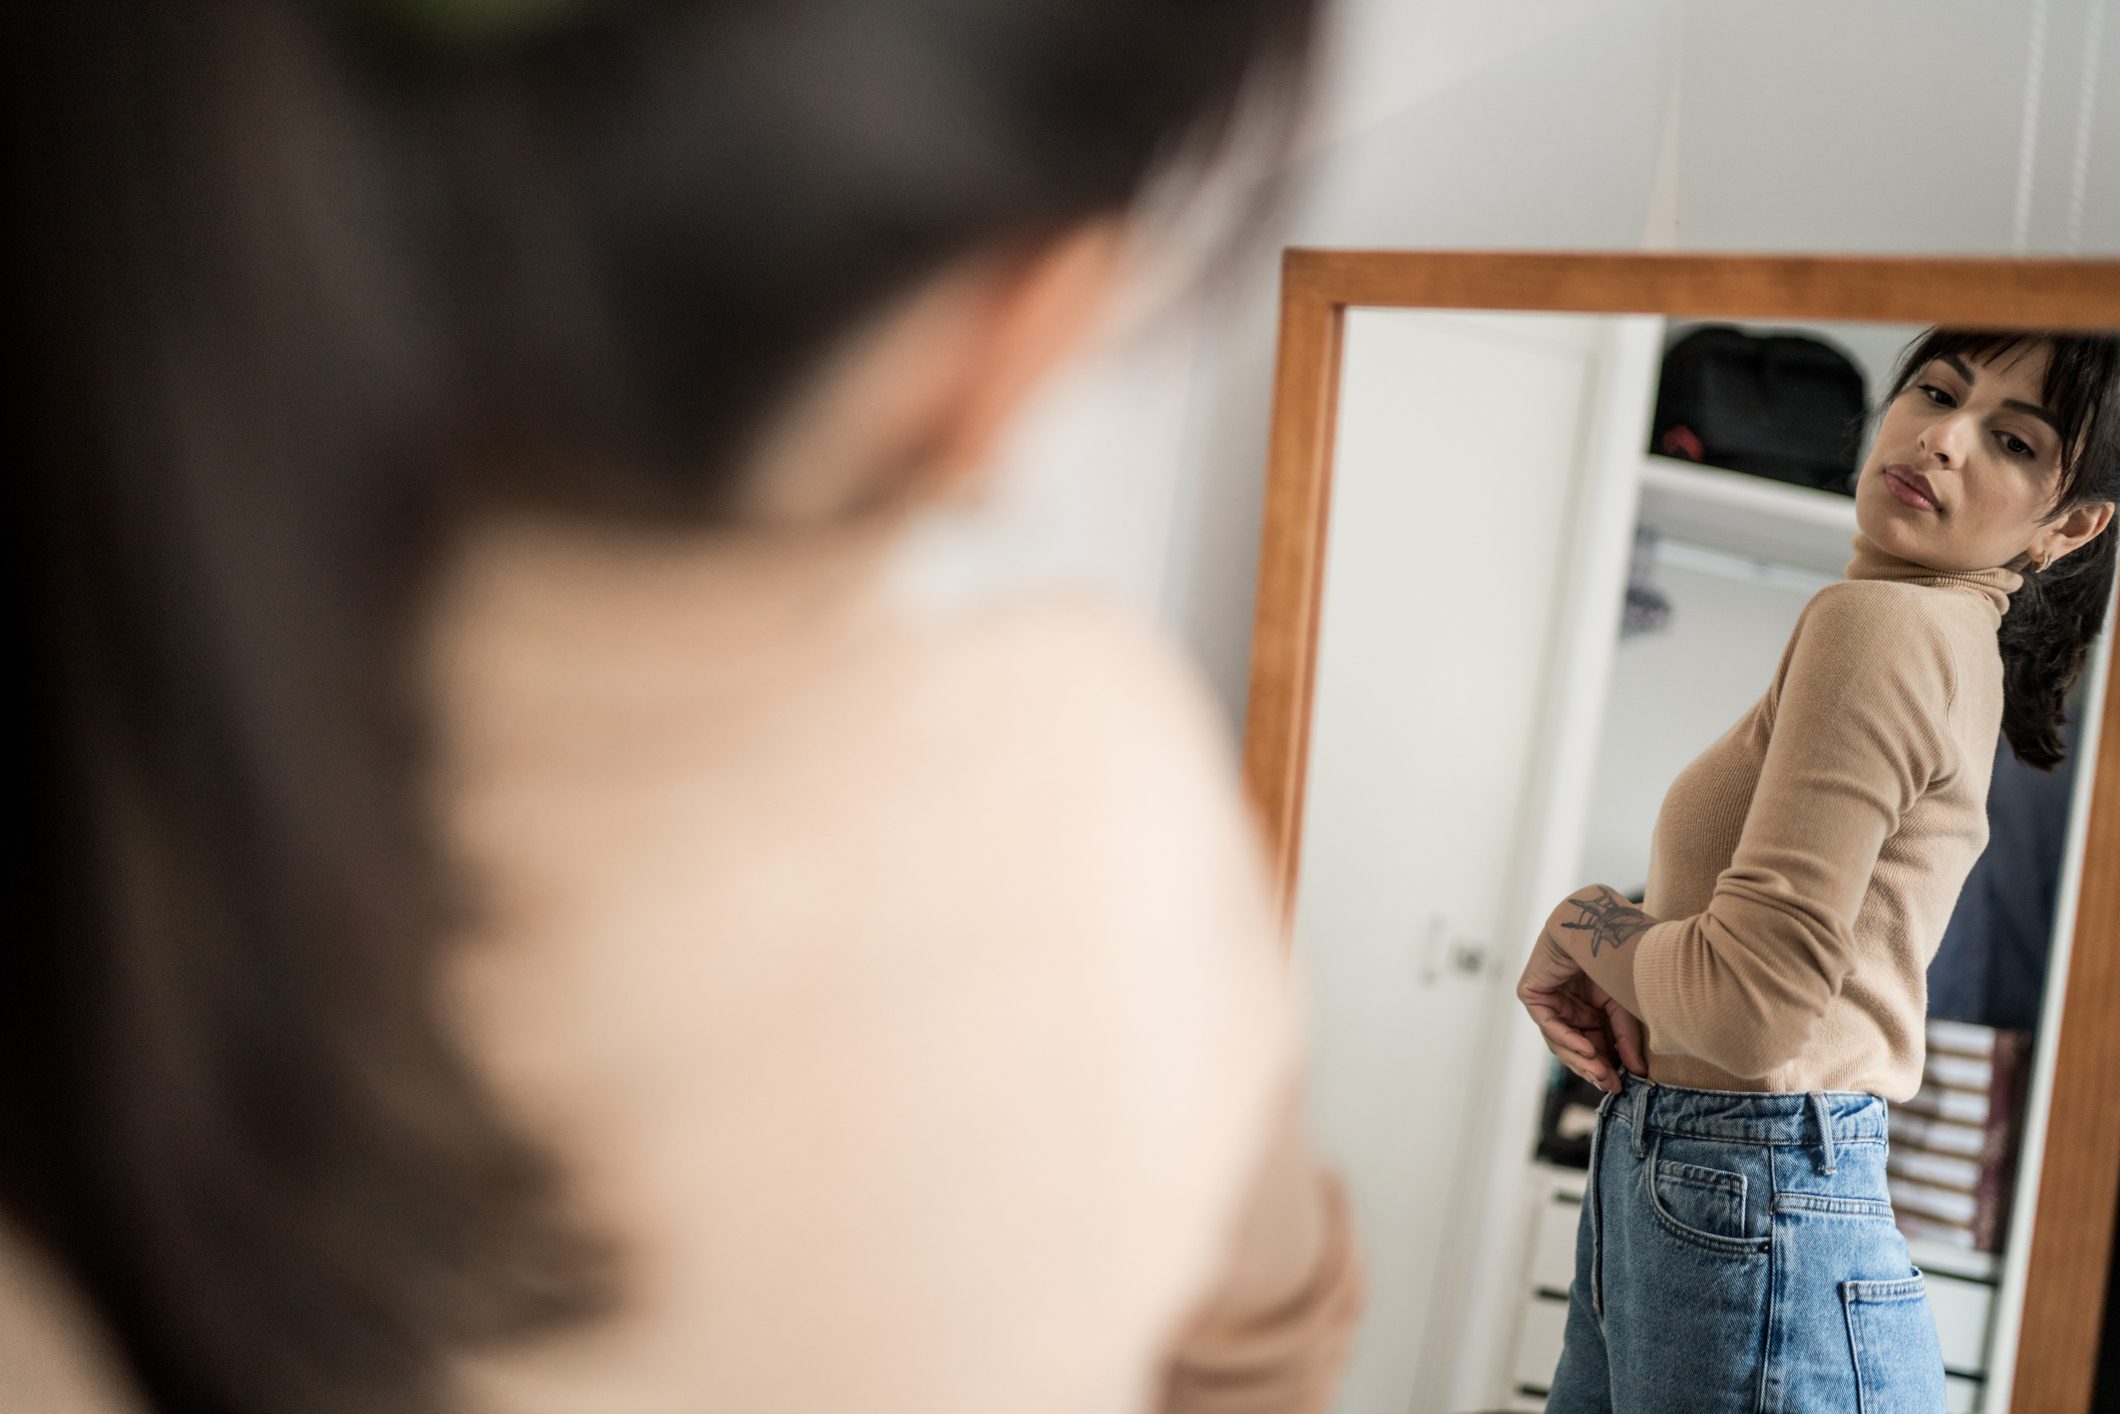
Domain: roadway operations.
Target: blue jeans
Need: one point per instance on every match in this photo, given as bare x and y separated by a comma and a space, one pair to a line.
1737, 1254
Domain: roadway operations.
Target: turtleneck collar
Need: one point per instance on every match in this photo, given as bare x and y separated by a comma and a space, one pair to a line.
1873, 561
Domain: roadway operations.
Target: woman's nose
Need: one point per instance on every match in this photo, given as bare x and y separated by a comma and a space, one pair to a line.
1945, 440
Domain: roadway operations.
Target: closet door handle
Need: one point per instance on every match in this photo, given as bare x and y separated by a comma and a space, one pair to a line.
1466, 957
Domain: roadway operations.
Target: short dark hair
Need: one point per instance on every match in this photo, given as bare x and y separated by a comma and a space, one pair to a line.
297, 283
2058, 613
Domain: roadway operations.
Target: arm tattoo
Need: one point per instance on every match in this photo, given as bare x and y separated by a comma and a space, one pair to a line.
1611, 921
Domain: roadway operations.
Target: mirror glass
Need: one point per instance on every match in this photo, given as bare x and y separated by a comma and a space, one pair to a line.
1565, 554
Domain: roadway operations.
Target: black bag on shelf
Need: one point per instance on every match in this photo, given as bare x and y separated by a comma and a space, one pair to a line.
1784, 406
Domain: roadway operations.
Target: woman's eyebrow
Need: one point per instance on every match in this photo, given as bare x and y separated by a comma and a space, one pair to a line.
2036, 411
1965, 370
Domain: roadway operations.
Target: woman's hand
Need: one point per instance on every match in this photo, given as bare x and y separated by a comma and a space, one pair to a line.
1584, 1026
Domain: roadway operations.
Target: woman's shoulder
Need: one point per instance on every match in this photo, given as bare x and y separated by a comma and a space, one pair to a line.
1856, 603
1877, 626
1100, 689
1914, 645
1056, 639
1076, 735
1881, 608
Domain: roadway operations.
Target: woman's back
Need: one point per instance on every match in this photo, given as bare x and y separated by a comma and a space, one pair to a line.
901, 994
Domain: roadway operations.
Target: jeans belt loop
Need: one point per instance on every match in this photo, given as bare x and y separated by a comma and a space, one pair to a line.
1824, 1112
1639, 1123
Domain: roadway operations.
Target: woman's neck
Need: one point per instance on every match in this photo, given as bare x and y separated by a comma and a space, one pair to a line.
560, 612
1873, 561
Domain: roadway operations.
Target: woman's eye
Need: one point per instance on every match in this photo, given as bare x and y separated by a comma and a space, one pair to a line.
2016, 446
1937, 395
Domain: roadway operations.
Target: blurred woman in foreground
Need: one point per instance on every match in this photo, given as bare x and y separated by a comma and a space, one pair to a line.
519, 917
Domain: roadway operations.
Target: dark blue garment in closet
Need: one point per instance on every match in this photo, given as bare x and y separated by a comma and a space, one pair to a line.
1991, 968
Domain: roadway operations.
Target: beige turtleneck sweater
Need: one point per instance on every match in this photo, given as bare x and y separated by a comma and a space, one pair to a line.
1805, 865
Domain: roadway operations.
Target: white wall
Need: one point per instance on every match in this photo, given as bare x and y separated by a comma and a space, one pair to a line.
1898, 125
1545, 135
1803, 125
1725, 636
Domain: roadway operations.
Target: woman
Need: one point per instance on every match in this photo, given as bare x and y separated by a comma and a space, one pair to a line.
1752, 1019
521, 917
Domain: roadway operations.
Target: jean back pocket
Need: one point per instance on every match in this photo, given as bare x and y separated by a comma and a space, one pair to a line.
1892, 1335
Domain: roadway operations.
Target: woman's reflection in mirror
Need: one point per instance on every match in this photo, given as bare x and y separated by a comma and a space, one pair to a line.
1753, 1018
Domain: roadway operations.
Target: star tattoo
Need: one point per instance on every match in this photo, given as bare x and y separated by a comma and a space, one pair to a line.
1611, 921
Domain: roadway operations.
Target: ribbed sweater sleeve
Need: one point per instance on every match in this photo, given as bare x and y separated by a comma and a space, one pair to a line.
1857, 724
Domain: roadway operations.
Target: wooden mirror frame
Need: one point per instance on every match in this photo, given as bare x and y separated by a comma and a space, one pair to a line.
2079, 1182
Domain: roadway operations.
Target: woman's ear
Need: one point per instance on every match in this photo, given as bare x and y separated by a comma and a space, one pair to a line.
911, 407
1041, 306
2073, 531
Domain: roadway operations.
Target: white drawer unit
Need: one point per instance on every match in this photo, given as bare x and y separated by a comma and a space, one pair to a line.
1538, 1345
1557, 1211
1962, 1295
1553, 1246
1964, 1314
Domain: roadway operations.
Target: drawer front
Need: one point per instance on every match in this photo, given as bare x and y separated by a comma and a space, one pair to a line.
1963, 1310
1538, 1342
1553, 1246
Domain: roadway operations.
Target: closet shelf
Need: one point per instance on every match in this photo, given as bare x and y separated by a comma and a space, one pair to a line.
1950, 1260
1771, 522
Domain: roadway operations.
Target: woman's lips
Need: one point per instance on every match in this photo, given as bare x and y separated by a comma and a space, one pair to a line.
1910, 487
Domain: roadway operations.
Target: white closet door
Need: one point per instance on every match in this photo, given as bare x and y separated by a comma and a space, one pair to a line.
1460, 489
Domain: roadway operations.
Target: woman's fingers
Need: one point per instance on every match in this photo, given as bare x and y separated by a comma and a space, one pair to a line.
1573, 1020
1628, 1038
1577, 1050
1594, 1071
1568, 1039
1587, 1020
1561, 1031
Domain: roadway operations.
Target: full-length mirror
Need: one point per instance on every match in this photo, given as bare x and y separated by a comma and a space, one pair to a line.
1763, 594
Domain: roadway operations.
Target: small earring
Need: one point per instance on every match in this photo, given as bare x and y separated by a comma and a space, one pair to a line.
2039, 565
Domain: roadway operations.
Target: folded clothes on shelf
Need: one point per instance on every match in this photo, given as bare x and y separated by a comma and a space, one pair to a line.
1953, 1161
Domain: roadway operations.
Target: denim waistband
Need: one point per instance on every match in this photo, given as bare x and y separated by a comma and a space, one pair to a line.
1746, 1117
